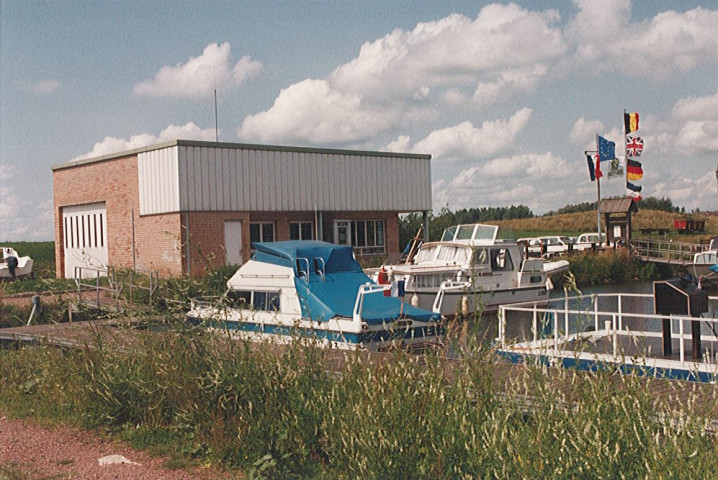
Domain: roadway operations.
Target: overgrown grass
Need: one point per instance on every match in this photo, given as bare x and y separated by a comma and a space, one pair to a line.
290, 413
613, 266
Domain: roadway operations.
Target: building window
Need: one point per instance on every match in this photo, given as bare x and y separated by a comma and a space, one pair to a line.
261, 232
368, 236
301, 231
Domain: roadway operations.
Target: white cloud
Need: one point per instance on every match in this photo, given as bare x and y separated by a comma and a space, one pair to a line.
467, 141
188, 131
200, 75
506, 181
310, 111
584, 130
604, 38
16, 209
505, 46
697, 107
45, 87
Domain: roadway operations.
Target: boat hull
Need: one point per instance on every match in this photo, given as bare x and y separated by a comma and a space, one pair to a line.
340, 334
481, 301
24, 269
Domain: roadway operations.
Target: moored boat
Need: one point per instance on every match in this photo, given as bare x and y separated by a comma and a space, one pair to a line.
315, 290
471, 270
13, 265
664, 334
705, 263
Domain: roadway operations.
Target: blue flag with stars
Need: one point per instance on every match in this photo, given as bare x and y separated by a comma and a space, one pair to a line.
606, 149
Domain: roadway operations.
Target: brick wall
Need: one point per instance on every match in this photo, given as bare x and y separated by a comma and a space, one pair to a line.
115, 182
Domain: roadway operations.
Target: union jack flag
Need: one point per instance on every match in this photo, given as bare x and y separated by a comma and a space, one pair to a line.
634, 146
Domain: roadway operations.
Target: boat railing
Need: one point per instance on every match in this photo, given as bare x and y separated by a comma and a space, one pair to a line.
556, 325
366, 289
104, 281
303, 264
447, 286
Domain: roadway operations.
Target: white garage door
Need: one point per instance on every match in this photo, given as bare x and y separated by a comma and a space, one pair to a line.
85, 238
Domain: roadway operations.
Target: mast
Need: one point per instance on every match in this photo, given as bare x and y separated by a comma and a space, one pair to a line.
216, 130
598, 193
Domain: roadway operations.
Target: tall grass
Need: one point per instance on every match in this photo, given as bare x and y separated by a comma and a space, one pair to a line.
293, 413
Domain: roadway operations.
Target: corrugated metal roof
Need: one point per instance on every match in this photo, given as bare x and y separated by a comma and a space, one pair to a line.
198, 143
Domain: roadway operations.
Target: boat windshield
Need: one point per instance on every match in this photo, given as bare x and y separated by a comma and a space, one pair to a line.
449, 234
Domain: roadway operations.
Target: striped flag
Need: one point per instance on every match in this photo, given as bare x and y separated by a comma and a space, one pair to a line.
634, 170
630, 121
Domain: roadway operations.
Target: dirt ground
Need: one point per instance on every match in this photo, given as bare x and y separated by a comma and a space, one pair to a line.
29, 451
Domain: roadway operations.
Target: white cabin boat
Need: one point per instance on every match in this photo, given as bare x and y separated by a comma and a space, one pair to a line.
471, 270
23, 266
616, 332
705, 263
317, 290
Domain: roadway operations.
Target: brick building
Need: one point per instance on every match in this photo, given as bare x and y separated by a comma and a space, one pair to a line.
183, 206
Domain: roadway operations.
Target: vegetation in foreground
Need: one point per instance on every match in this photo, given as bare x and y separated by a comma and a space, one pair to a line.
274, 413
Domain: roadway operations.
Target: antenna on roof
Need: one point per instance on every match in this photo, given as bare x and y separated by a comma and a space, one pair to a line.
216, 130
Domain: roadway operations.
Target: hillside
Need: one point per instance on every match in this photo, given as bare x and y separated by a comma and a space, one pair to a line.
576, 223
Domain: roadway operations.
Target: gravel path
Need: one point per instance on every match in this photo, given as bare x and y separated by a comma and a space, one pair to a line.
28, 451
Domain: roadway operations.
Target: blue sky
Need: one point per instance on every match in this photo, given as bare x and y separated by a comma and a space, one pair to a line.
504, 96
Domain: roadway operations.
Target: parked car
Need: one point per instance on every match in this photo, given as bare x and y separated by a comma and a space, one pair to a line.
588, 241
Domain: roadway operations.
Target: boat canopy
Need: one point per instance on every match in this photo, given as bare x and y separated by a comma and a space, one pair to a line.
327, 278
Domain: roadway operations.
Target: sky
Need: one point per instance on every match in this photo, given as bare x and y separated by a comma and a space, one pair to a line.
505, 97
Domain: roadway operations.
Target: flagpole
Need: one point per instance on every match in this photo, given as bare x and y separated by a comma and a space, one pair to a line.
625, 147
598, 193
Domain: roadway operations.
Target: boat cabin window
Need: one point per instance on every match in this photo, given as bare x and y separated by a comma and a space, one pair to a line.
481, 258
432, 281
266, 301
501, 260
239, 298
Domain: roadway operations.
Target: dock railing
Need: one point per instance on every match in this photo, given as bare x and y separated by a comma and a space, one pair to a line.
666, 251
554, 327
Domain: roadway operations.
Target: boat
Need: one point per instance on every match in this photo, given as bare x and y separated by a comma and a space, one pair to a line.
642, 334
471, 270
705, 264
23, 266
316, 290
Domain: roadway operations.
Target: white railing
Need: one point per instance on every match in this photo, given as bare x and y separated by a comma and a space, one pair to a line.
366, 289
554, 326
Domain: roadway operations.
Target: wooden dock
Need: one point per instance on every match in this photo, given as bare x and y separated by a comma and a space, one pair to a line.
666, 251
700, 398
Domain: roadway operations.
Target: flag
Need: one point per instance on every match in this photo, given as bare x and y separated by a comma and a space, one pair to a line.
633, 188
397, 288
636, 197
634, 170
630, 121
606, 149
634, 146
616, 169
592, 160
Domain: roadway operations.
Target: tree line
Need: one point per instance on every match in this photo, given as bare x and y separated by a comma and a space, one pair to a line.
409, 224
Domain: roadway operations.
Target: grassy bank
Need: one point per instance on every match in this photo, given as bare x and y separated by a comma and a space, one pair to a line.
288, 415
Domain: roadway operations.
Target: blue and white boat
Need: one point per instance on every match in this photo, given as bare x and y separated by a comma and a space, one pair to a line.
617, 332
316, 290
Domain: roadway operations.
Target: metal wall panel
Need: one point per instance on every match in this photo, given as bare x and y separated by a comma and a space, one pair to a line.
158, 181
206, 178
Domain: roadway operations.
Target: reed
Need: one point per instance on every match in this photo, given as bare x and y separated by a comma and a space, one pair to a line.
291, 412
